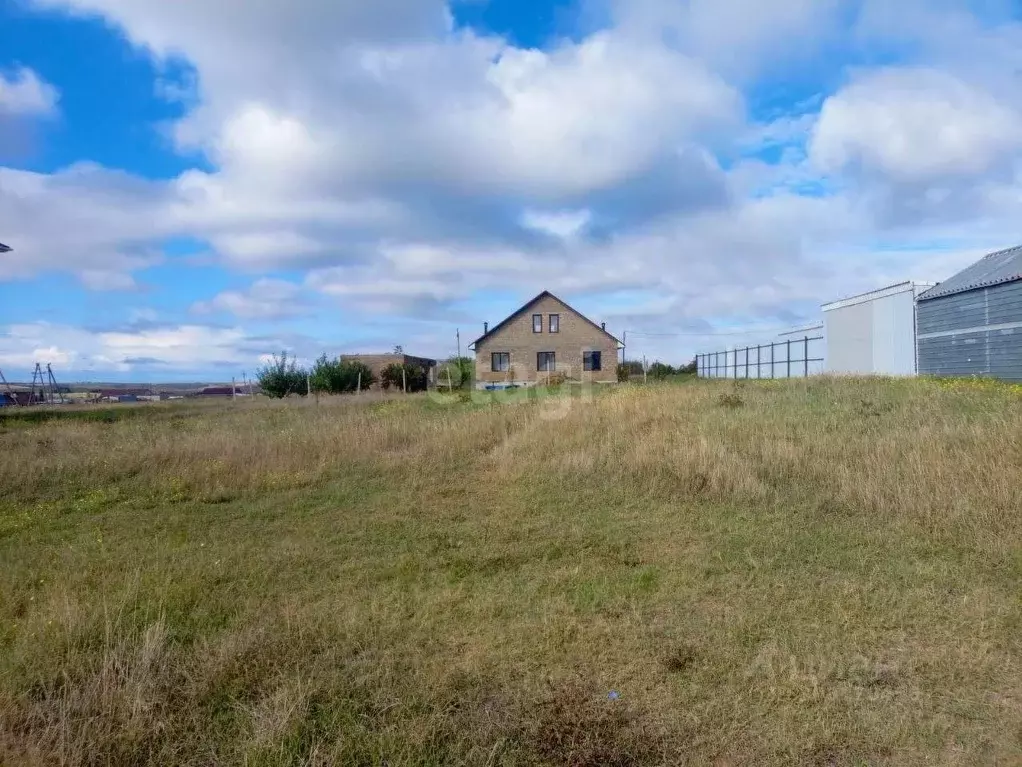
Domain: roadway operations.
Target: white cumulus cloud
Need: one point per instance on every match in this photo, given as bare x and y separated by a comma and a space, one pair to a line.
265, 300
22, 92
916, 124
391, 162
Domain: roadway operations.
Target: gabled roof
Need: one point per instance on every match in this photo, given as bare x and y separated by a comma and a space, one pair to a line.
994, 269
525, 307
4, 248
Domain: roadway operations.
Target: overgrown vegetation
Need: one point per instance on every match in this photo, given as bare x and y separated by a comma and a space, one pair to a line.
334, 376
627, 369
631, 370
283, 377
456, 373
825, 575
404, 377
660, 371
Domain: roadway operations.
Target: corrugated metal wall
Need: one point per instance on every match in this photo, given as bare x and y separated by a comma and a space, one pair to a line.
873, 337
849, 333
978, 332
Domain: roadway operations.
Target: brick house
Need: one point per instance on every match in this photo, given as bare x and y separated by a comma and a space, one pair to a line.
542, 338
378, 362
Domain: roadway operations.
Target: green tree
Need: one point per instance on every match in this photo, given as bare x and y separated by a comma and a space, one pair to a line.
397, 376
627, 369
690, 369
340, 376
658, 371
460, 371
282, 377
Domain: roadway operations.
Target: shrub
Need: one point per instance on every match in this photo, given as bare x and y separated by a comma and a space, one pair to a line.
341, 377
690, 369
658, 371
282, 378
623, 372
456, 373
556, 379
398, 376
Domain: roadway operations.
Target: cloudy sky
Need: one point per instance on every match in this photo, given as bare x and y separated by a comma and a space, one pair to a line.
191, 185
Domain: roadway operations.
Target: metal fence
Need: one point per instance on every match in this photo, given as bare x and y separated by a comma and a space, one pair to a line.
792, 358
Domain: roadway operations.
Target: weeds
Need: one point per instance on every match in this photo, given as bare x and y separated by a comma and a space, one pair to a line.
730, 400
829, 576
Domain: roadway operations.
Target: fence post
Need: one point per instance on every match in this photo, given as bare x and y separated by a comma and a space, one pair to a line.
789, 358
746, 362
805, 356
736, 362
772, 344
759, 364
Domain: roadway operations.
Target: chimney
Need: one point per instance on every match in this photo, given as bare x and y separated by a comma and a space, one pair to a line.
486, 327
603, 326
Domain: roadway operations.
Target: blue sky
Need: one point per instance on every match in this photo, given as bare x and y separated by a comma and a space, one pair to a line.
191, 186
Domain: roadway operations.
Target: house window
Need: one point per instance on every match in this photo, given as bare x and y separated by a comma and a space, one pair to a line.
591, 361
555, 323
546, 362
500, 362
537, 323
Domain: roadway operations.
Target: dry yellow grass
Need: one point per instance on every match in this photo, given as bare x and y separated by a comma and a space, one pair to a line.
822, 572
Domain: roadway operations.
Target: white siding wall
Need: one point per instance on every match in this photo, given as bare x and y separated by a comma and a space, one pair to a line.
872, 336
849, 339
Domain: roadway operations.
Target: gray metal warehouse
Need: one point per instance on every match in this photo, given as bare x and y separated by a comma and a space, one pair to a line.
971, 324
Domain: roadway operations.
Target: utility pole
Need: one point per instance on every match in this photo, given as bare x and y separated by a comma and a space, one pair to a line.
457, 333
54, 389
624, 347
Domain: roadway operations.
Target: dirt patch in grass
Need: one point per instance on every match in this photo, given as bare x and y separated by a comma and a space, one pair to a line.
579, 725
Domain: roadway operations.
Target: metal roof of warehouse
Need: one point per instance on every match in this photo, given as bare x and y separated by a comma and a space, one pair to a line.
994, 269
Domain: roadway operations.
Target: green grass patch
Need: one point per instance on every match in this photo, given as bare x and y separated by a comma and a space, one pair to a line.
825, 574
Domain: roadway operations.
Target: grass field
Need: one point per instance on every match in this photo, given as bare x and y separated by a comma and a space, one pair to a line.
822, 573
